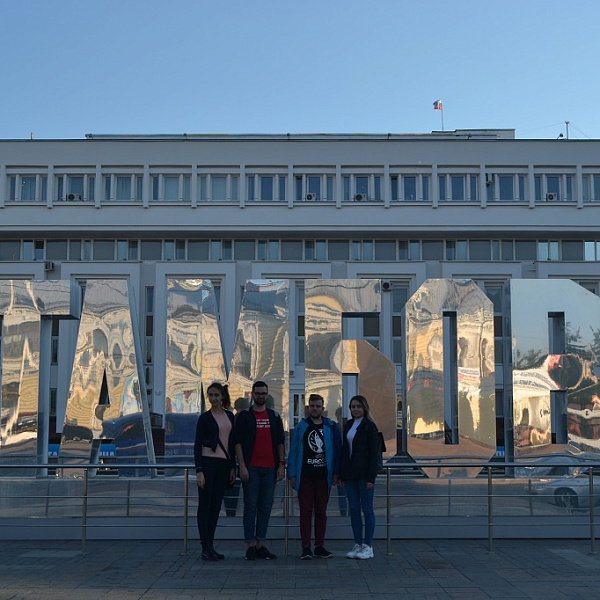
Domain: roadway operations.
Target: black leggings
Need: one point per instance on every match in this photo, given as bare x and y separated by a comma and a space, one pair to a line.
216, 479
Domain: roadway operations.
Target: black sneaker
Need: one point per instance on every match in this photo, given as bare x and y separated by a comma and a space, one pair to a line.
217, 554
251, 553
306, 553
322, 553
262, 552
209, 555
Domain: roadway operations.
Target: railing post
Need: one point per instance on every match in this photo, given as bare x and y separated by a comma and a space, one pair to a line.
389, 510
592, 517
84, 511
186, 474
490, 504
286, 517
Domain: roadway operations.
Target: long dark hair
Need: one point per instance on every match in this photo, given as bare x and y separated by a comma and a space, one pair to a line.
364, 404
224, 389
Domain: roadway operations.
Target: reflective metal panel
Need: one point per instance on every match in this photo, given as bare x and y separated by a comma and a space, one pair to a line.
376, 382
475, 378
261, 350
194, 358
327, 359
23, 303
538, 370
106, 399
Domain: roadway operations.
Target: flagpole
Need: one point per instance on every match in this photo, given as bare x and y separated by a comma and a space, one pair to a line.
442, 115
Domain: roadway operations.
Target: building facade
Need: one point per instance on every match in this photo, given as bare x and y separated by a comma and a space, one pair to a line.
469, 204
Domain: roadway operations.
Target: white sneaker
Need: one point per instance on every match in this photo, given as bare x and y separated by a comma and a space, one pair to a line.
353, 553
365, 552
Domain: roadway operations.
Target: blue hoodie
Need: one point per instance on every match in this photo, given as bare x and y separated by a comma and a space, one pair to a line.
333, 447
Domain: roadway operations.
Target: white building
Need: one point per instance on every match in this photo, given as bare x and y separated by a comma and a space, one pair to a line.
473, 204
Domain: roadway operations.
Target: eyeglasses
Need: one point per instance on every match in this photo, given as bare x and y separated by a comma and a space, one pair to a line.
261, 393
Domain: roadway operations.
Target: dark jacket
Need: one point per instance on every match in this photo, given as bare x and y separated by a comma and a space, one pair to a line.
365, 448
244, 433
207, 434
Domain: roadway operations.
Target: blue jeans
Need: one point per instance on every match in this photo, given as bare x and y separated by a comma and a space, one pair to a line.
259, 491
360, 501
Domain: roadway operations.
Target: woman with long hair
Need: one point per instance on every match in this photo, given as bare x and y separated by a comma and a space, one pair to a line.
360, 448
215, 464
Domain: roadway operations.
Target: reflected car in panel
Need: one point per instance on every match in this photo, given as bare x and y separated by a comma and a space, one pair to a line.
567, 487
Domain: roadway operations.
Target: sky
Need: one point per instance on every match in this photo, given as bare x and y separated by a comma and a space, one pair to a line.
73, 67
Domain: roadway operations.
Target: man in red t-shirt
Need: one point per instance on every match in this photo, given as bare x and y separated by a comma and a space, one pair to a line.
259, 448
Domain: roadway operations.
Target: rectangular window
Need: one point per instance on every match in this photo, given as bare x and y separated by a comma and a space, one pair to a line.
339, 250
75, 186
28, 185
368, 250
121, 249
480, 250
432, 249
197, 250
321, 250
104, 250
171, 188
572, 250
219, 188
425, 184
525, 250
291, 250
244, 249
385, 250
473, 188
314, 187
10, 250
442, 187
330, 193
75, 250
410, 188
266, 188
56, 250
458, 187
151, 250
132, 250
505, 184
123, 188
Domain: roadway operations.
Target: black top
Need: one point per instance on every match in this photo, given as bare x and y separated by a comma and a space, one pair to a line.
362, 466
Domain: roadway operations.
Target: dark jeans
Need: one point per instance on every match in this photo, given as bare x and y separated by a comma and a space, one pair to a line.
216, 477
313, 496
360, 499
259, 491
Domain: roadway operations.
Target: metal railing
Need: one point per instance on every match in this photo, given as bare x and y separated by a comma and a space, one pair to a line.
491, 501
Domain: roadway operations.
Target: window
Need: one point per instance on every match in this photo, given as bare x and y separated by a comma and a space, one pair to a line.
572, 250
314, 188
10, 250
385, 250
291, 250
266, 188
104, 250
432, 249
218, 188
410, 188
548, 250
56, 250
171, 188
455, 187
362, 188
151, 249
244, 249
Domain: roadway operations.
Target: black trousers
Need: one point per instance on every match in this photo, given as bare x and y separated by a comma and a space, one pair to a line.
216, 479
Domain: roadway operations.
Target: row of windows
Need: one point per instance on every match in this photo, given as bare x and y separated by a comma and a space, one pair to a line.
300, 250
451, 187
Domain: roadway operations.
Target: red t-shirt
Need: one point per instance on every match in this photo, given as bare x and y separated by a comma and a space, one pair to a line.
262, 456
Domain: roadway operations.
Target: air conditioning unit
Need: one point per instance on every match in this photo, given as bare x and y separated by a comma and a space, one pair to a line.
552, 197
386, 286
74, 197
360, 197
48, 266
310, 197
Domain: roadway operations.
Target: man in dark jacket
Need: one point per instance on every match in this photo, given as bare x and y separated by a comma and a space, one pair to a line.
259, 448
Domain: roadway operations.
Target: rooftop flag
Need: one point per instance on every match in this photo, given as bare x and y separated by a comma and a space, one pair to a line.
437, 105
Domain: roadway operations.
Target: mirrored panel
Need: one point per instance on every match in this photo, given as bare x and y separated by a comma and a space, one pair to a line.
450, 378
261, 350
107, 396
556, 367
327, 359
194, 359
376, 382
23, 304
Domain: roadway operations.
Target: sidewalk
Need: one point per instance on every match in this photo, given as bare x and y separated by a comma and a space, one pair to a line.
416, 569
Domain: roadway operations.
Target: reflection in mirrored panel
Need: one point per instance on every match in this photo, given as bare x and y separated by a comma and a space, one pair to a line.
194, 359
327, 301
556, 367
261, 350
460, 396
23, 304
106, 399
376, 382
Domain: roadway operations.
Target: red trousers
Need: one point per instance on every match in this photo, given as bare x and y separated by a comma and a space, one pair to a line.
313, 497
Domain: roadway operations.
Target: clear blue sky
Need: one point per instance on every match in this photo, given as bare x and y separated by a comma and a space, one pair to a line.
71, 67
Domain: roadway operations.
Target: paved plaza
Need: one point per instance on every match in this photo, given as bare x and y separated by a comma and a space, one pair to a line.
149, 570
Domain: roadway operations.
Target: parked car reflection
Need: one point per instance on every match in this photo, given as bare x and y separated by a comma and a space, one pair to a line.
567, 487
